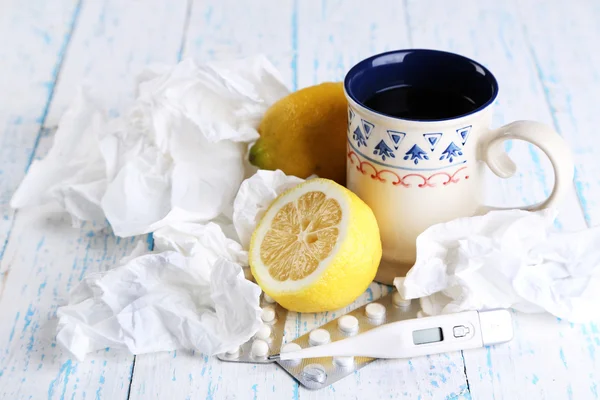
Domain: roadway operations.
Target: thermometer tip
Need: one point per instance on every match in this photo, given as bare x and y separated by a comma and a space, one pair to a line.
274, 357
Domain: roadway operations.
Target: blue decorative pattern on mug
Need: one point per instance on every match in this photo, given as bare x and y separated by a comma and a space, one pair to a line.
415, 151
432, 139
367, 127
358, 136
396, 138
383, 150
463, 133
403, 166
415, 154
451, 151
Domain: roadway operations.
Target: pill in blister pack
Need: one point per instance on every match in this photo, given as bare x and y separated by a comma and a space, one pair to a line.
316, 373
266, 341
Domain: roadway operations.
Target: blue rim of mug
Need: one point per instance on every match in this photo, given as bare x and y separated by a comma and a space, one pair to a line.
366, 63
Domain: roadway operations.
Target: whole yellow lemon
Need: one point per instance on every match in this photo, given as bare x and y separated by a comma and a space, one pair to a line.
304, 133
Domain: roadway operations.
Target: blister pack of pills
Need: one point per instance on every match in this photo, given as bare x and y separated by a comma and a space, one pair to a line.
317, 373
266, 341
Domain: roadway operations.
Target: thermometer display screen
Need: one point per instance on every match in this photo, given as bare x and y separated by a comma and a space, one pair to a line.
430, 335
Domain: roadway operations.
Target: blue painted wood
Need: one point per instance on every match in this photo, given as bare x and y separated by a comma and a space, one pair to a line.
539, 50
491, 32
567, 65
30, 64
342, 34
221, 30
46, 258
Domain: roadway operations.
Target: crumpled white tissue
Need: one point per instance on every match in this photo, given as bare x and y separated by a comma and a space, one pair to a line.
177, 154
72, 175
204, 242
254, 197
164, 301
193, 124
171, 164
189, 293
506, 259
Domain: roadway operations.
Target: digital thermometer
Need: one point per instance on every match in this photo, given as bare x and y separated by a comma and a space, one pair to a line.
417, 337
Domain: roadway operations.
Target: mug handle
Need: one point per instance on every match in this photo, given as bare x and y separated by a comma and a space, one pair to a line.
543, 137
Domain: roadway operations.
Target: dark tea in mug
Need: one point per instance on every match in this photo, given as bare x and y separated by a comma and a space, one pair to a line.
421, 103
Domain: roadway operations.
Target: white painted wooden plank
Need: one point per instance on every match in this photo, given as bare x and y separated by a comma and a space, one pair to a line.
114, 45
513, 371
563, 38
46, 257
163, 374
488, 32
34, 37
531, 366
224, 30
335, 36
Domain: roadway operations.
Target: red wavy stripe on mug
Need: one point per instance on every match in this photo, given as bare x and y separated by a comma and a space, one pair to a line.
402, 180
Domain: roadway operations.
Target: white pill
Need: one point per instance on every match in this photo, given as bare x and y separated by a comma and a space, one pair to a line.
375, 311
268, 299
400, 301
314, 373
318, 337
233, 352
291, 347
260, 348
343, 361
268, 314
264, 332
348, 324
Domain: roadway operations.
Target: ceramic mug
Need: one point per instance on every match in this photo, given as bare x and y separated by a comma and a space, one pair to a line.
415, 173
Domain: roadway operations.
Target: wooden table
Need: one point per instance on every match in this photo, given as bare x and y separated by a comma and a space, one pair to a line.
544, 53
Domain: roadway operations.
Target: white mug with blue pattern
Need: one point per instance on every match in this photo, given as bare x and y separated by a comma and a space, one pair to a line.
416, 172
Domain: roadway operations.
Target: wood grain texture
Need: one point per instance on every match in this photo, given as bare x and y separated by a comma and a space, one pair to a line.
338, 39
490, 33
538, 50
568, 65
220, 30
113, 44
568, 68
29, 67
532, 365
45, 256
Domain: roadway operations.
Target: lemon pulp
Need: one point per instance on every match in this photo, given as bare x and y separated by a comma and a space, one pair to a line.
302, 234
316, 248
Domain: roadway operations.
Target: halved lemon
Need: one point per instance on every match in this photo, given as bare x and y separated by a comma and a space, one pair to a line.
317, 248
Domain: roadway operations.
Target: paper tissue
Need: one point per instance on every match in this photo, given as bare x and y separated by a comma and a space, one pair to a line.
506, 259
172, 164
160, 302
255, 196
189, 293
177, 154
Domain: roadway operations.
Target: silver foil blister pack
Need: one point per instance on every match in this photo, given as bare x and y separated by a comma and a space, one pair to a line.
317, 373
267, 341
